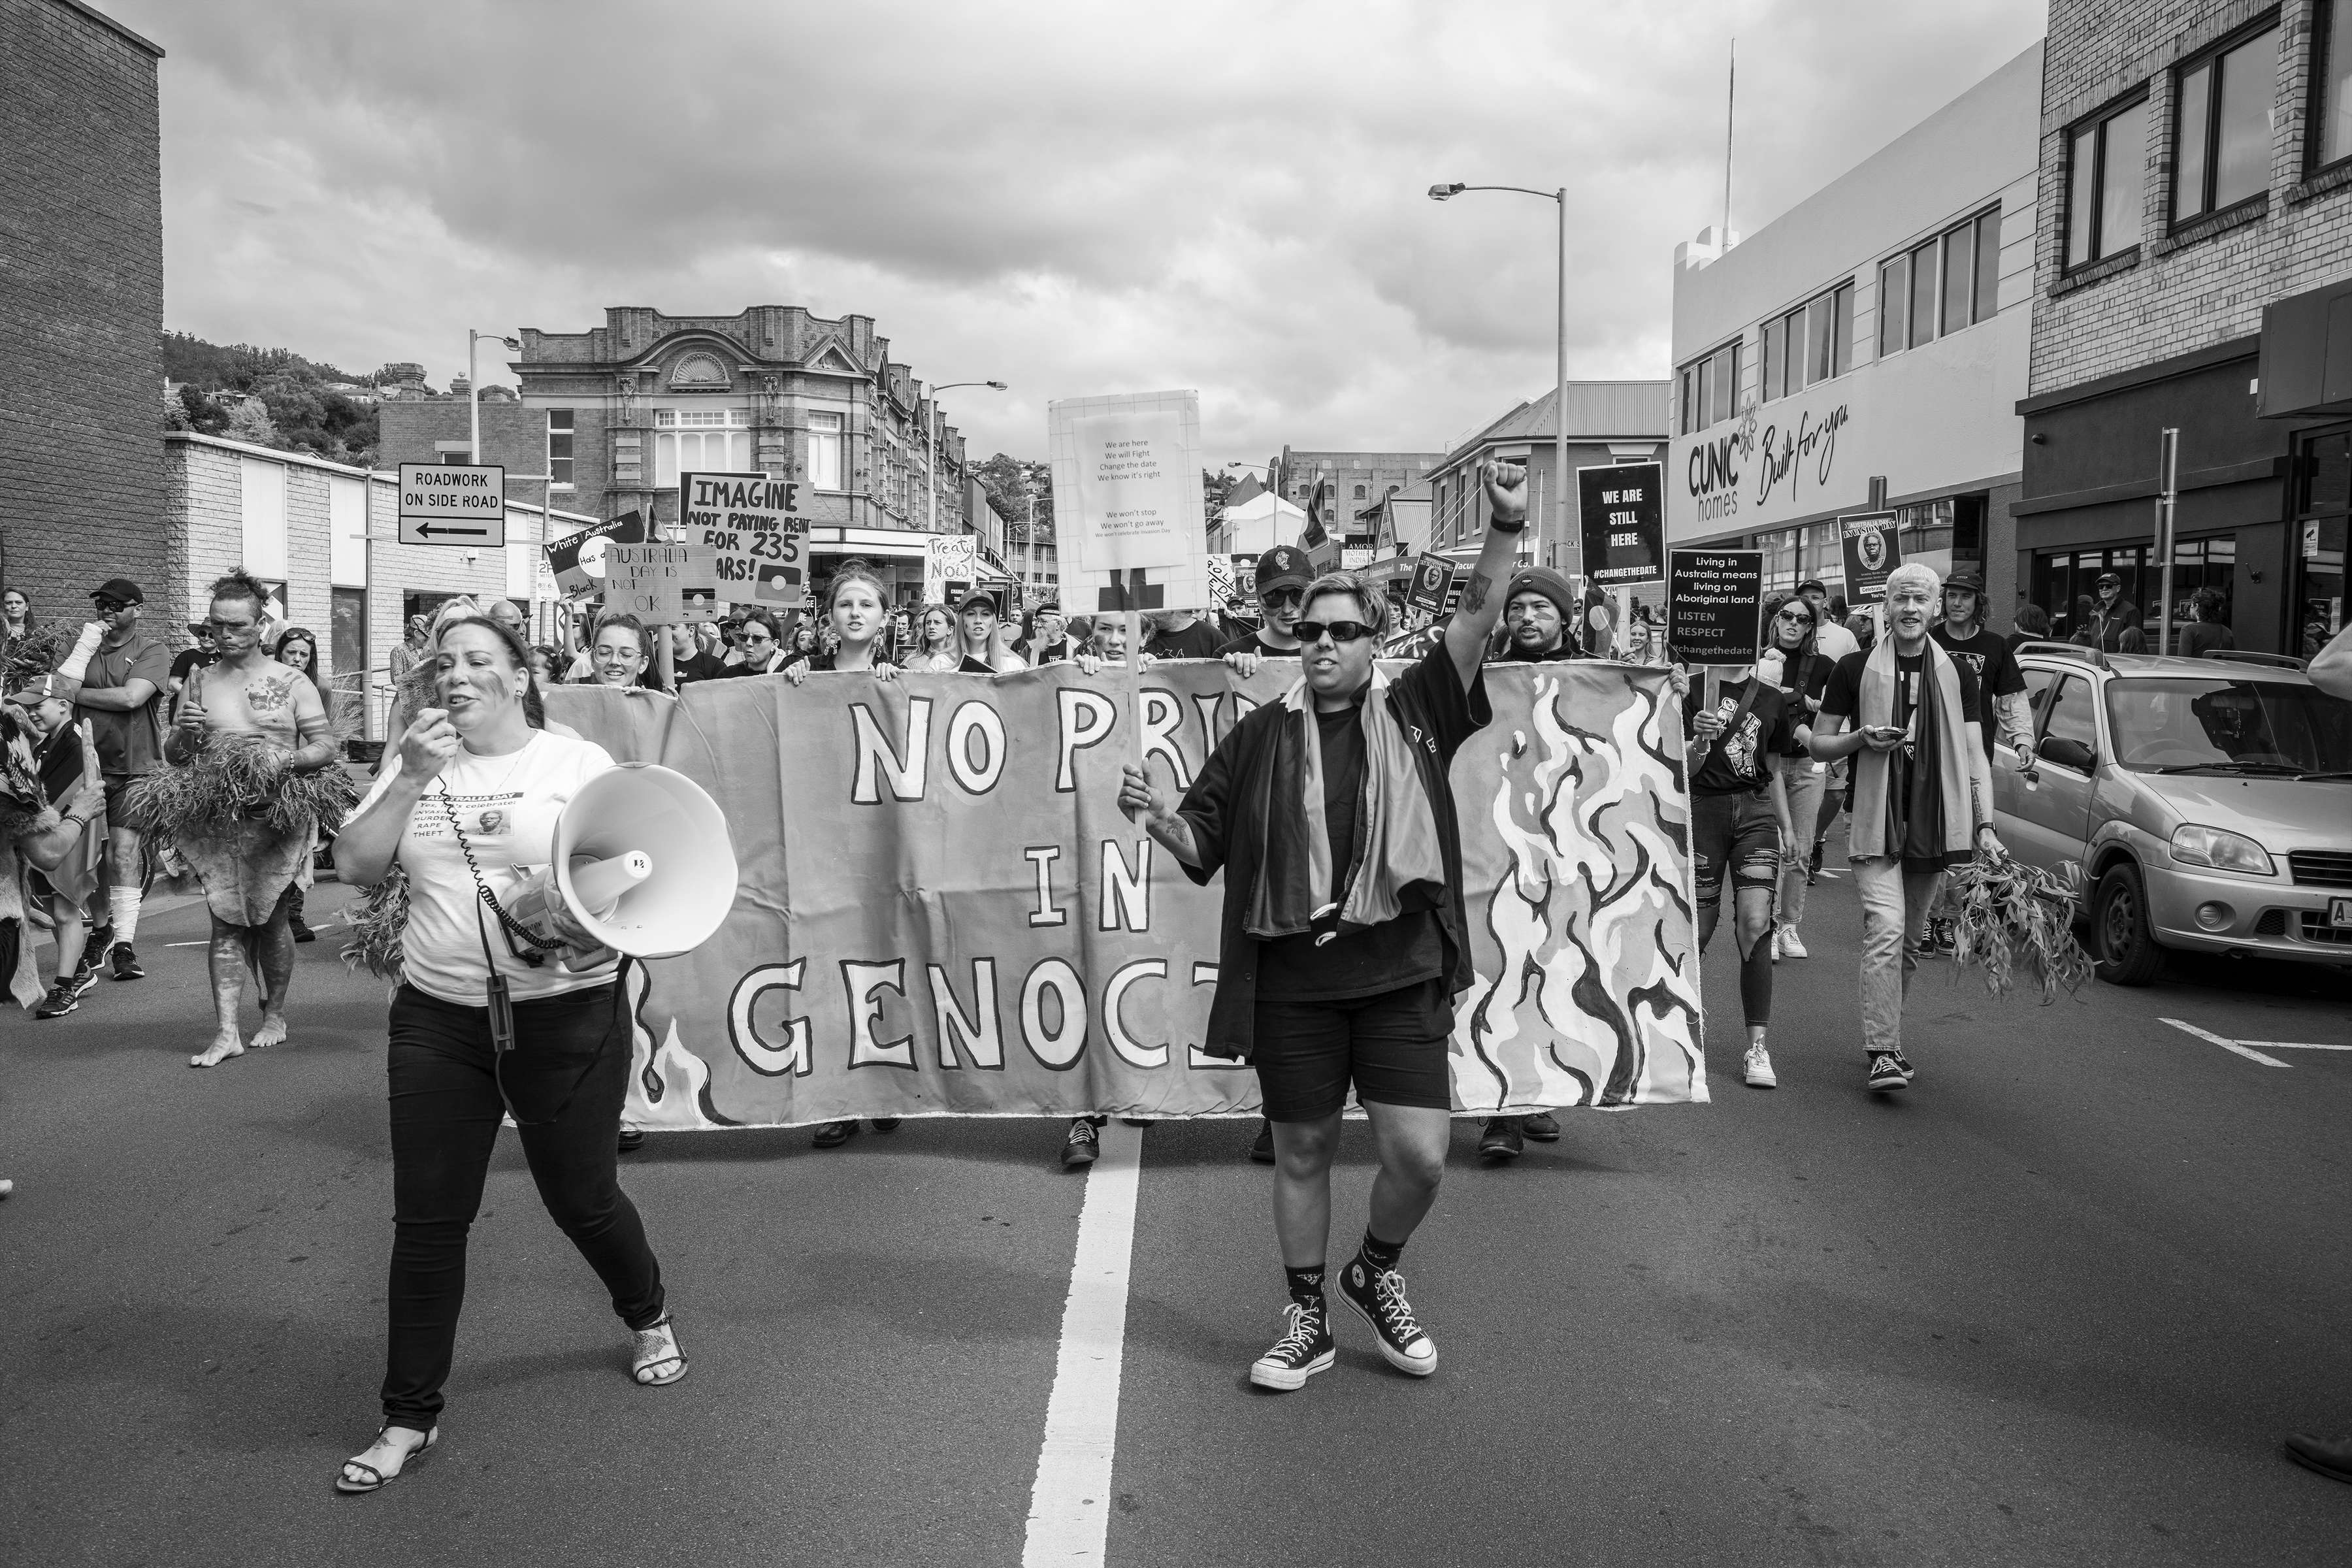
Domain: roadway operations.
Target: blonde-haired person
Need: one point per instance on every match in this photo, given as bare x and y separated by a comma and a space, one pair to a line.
984, 640
935, 641
1911, 716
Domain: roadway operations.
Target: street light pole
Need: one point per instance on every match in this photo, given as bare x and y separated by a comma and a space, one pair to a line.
474, 392
930, 447
1559, 410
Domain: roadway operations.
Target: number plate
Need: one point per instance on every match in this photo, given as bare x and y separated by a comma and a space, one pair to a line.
2339, 913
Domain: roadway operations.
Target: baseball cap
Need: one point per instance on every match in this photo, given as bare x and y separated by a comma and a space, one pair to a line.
1810, 583
121, 590
1966, 582
1284, 566
33, 694
2107, 577
976, 597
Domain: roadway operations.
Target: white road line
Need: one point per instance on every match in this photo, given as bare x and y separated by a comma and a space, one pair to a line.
1069, 1508
2292, 1046
2246, 1051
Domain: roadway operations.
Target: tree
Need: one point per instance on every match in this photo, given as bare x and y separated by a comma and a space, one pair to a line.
1012, 482
249, 421
1216, 486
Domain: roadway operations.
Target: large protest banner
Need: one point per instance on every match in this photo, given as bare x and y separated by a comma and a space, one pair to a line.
943, 911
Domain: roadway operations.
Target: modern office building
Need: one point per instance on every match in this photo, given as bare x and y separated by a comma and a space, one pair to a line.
2194, 273
1875, 337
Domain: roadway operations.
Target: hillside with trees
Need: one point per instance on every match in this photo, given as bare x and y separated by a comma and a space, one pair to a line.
272, 397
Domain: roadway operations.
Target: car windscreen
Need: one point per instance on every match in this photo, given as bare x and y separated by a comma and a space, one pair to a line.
2226, 724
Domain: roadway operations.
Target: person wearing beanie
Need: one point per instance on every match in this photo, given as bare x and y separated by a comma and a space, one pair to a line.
1539, 617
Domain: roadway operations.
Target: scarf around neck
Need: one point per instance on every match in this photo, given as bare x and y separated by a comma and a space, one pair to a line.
1943, 741
1297, 884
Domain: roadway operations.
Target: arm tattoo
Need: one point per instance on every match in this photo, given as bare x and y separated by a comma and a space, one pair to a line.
1474, 597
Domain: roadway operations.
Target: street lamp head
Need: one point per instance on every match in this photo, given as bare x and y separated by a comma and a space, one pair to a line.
998, 385
1439, 193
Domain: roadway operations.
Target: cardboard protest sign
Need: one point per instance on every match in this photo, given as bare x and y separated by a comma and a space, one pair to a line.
1433, 579
757, 539
1714, 606
943, 911
648, 580
1623, 506
1873, 550
578, 558
1222, 588
951, 564
1126, 494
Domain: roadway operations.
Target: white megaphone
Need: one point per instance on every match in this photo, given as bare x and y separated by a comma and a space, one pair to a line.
641, 860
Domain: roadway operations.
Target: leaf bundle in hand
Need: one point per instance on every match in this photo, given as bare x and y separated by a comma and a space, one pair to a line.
2014, 921
377, 925
238, 777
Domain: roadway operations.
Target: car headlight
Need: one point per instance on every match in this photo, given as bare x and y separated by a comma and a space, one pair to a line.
2222, 851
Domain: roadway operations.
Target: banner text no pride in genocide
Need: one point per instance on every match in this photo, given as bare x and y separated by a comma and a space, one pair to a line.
944, 910
757, 539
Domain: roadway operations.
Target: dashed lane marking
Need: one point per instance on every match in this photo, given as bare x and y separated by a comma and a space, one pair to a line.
1069, 1508
2244, 1050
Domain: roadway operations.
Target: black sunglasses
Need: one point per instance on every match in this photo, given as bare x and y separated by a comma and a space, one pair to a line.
1275, 598
1340, 631
1800, 617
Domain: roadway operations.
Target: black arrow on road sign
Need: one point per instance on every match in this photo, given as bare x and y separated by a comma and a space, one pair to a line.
427, 529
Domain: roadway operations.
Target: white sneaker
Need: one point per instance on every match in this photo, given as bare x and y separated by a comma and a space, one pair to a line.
1757, 1071
1775, 944
1787, 944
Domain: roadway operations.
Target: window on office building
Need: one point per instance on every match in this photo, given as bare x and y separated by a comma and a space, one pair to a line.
2331, 83
2228, 105
2106, 169
559, 446
1941, 285
824, 451
701, 440
1710, 388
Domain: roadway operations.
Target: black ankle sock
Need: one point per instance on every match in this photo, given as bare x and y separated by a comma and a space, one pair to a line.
1381, 1255
1306, 1285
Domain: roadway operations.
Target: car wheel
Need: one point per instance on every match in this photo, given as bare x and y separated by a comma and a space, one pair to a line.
2125, 947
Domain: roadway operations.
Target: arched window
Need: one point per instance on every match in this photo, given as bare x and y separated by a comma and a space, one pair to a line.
1359, 493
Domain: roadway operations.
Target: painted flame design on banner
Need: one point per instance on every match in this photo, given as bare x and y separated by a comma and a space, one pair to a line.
1597, 884
670, 1088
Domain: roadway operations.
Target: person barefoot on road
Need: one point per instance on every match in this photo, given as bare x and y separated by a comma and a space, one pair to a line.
1334, 967
249, 869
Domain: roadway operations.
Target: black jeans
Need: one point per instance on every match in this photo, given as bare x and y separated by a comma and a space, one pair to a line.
570, 1063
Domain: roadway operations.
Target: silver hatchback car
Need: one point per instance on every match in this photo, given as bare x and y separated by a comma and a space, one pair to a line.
2208, 802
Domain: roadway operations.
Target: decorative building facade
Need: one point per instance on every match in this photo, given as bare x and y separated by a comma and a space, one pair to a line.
611, 417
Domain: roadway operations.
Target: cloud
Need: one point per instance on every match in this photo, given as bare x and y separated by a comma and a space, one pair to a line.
1076, 199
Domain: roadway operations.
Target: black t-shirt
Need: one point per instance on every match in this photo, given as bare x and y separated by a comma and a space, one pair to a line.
1992, 661
1913, 794
1250, 642
1058, 651
1406, 951
1734, 764
700, 666
1199, 640
61, 764
2198, 637
192, 659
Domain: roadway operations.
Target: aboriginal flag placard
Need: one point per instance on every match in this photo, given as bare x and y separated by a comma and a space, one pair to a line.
942, 911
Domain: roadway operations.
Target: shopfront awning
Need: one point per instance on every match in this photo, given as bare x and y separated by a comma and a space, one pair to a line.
2307, 364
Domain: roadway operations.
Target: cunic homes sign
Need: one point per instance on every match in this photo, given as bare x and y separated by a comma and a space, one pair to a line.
942, 911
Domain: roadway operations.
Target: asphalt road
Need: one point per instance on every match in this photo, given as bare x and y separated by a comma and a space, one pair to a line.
2055, 1304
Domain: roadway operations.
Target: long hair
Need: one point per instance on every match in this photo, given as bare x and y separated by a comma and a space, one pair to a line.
853, 570
923, 614
534, 708
301, 634
1796, 663
962, 641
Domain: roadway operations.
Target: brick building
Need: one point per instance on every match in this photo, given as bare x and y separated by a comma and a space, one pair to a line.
614, 413
2195, 171
1608, 421
81, 313
1359, 482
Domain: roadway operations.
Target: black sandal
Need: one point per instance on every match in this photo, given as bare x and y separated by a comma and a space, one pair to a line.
377, 1480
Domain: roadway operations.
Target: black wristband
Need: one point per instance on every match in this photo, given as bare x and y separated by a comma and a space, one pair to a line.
1499, 526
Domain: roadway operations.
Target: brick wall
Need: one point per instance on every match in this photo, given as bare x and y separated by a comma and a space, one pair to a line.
81, 310
2209, 284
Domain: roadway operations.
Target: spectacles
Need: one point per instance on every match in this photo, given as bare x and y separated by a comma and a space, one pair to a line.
1340, 631
1799, 617
107, 606
757, 637
1275, 598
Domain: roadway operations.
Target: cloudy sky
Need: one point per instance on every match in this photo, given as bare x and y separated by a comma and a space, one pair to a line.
1075, 198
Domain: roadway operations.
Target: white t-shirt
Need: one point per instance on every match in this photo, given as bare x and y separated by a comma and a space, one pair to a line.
507, 806
1834, 640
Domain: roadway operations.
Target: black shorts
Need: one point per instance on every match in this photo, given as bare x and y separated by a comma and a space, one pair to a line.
1391, 1047
114, 784
1735, 833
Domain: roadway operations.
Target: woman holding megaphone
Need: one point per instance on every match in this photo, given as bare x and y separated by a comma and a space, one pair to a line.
486, 1021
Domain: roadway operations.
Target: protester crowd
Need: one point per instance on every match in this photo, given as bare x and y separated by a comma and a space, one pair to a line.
1342, 941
